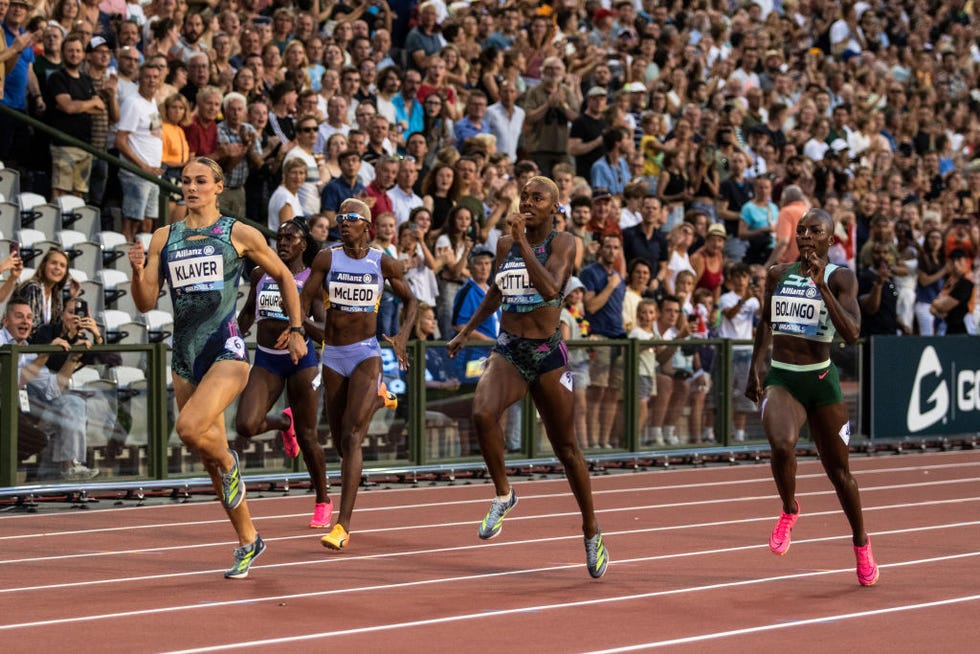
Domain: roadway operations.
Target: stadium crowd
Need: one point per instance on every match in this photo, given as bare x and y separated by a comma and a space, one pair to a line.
686, 140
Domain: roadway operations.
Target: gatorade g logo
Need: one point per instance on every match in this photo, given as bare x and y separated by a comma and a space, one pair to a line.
938, 402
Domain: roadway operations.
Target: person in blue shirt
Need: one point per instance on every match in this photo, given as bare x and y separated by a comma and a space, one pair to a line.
468, 300
342, 188
474, 122
611, 170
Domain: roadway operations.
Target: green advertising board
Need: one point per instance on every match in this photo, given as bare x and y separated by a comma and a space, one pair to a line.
925, 386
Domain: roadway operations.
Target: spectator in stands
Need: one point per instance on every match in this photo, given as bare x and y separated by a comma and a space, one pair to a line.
344, 187
409, 112
604, 293
386, 170
74, 100
202, 133
930, 274
65, 417
417, 260
384, 240
611, 170
285, 205
47, 290
672, 387
318, 171
758, 226
13, 264
452, 250
238, 151
45, 388
139, 140
740, 307
709, 261
402, 195
474, 121
953, 302
575, 330
585, 138
19, 82
505, 120
465, 304
98, 56
794, 205
647, 241
425, 40
550, 107
733, 194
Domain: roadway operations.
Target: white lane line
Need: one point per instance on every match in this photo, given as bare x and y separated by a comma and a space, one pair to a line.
780, 625
481, 501
512, 519
482, 577
463, 548
576, 604
662, 474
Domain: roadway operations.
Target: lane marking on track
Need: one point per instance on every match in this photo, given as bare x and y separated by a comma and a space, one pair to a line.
393, 555
512, 519
783, 625
482, 501
580, 603
765, 477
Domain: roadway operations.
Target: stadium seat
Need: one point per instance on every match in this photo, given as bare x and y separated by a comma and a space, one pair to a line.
75, 214
9, 219
93, 294
114, 247
83, 253
33, 244
9, 182
122, 329
130, 383
36, 213
159, 325
116, 290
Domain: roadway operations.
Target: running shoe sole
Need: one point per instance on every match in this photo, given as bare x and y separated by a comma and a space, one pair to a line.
390, 399
232, 486
337, 539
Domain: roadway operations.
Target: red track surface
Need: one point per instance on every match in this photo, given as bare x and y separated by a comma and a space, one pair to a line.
691, 570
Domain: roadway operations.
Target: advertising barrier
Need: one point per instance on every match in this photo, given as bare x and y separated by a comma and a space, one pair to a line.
925, 386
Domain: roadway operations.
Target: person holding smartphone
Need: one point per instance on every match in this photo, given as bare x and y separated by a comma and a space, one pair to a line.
13, 265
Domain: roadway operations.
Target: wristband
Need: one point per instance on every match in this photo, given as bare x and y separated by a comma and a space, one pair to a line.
296, 330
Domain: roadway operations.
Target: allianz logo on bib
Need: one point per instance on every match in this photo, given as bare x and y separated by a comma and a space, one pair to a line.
930, 374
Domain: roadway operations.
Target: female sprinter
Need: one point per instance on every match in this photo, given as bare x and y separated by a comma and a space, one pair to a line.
273, 369
534, 264
806, 302
353, 275
201, 258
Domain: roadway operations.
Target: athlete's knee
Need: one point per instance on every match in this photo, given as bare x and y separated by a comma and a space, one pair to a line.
246, 426
484, 418
190, 429
783, 448
568, 453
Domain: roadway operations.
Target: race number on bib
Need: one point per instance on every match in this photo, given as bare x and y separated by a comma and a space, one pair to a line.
799, 315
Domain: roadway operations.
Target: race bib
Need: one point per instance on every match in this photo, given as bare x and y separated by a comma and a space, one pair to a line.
354, 292
195, 270
268, 303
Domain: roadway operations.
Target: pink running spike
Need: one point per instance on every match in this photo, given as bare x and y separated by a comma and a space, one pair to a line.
321, 515
867, 569
779, 539
289, 443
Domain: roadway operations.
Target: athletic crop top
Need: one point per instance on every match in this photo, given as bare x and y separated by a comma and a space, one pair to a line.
798, 308
268, 300
519, 295
354, 285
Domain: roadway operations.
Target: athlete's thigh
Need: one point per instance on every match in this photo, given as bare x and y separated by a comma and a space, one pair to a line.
555, 400
782, 415
207, 401
362, 393
261, 392
302, 396
499, 387
831, 432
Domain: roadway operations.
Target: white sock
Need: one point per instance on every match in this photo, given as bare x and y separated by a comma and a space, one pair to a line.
709, 433
657, 433
503, 499
740, 434
669, 430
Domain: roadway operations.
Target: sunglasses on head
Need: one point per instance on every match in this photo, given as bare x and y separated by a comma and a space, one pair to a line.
349, 218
